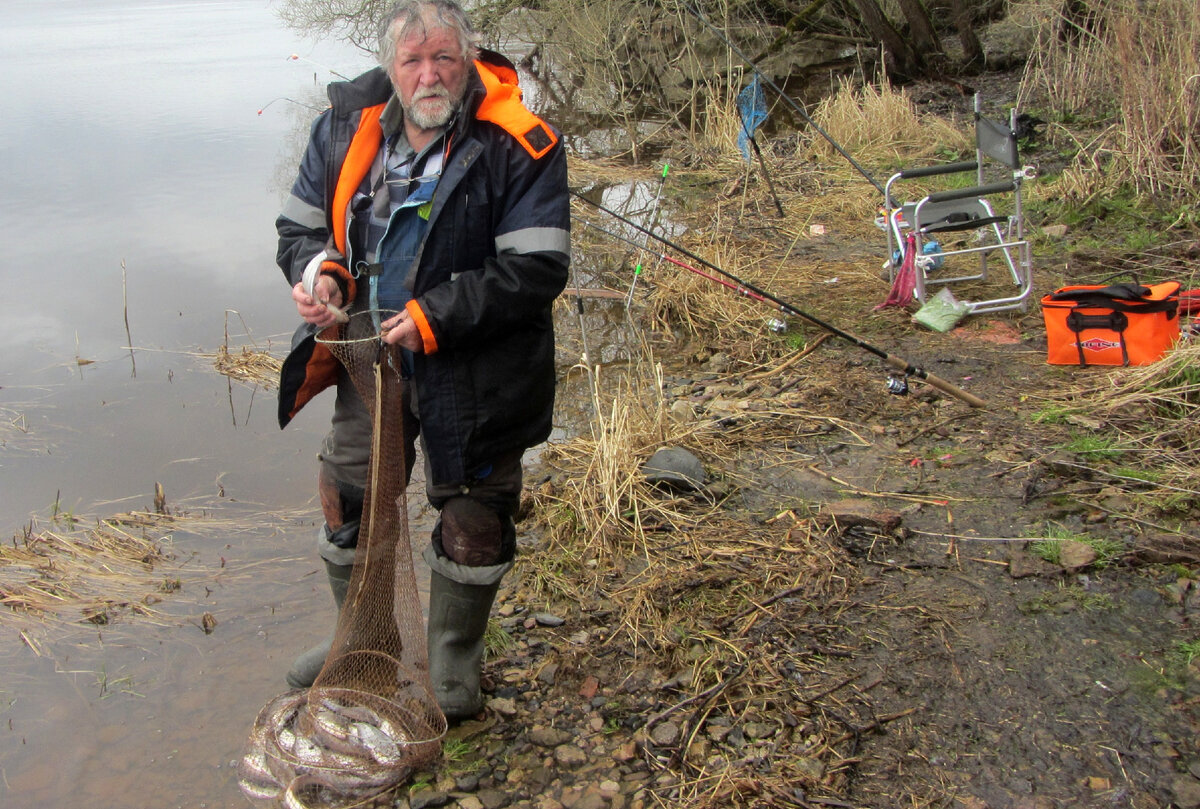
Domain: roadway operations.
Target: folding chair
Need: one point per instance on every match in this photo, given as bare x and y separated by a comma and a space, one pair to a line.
971, 212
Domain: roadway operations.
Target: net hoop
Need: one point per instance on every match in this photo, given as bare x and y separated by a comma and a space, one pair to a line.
361, 327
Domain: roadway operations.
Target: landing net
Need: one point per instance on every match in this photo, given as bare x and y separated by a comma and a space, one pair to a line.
370, 719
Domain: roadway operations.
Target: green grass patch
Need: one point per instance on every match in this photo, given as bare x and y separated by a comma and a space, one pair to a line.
1052, 415
1053, 535
1145, 475
1188, 651
1095, 447
1067, 599
495, 639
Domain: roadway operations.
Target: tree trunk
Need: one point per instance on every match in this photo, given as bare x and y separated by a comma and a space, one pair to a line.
973, 56
906, 62
921, 35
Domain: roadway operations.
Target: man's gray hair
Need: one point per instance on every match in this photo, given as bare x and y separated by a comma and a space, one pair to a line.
409, 17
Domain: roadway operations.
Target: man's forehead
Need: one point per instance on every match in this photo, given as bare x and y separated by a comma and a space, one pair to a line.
429, 40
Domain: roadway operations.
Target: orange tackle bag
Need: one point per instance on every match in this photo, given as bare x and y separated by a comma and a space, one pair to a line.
1122, 324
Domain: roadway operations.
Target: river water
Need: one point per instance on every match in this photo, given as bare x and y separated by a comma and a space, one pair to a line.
147, 147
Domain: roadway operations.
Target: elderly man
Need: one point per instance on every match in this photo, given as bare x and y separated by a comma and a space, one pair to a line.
428, 189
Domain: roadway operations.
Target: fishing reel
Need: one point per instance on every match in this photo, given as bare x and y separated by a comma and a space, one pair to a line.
897, 384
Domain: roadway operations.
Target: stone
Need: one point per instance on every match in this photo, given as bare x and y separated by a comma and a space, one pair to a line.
665, 733
675, 467
1186, 792
548, 673
549, 737
860, 513
493, 798
503, 705
1074, 555
568, 755
428, 799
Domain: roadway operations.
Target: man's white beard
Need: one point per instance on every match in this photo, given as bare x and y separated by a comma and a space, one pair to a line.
428, 115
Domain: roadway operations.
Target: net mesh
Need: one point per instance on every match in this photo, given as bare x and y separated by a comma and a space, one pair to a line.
370, 717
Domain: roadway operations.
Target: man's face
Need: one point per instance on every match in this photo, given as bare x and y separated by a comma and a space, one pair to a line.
430, 77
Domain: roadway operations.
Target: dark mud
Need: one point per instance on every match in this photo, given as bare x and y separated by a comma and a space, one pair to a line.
954, 667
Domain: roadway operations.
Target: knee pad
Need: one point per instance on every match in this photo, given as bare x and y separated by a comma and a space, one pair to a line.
342, 504
471, 534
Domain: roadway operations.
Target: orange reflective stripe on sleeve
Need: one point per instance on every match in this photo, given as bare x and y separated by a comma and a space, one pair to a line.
427, 339
359, 157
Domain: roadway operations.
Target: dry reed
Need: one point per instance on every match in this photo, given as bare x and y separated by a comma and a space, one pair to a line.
880, 125
94, 574
1134, 68
1152, 413
72, 572
251, 364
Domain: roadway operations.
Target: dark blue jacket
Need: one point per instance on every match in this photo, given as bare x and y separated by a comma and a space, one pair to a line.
494, 257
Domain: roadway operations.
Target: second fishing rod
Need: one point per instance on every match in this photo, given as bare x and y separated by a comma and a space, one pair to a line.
743, 287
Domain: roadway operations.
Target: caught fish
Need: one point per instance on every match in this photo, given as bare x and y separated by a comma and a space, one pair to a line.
282, 710
262, 790
353, 713
381, 746
308, 753
312, 752
286, 739
255, 764
330, 723
302, 784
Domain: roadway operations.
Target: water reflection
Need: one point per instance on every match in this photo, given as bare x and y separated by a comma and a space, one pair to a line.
143, 185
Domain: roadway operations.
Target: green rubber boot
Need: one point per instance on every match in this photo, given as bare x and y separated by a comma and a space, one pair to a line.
458, 616
307, 666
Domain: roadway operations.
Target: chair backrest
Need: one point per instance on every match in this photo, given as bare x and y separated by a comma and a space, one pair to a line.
996, 140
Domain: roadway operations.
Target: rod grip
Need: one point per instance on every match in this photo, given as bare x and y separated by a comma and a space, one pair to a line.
937, 382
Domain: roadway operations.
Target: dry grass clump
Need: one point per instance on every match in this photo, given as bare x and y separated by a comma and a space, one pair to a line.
601, 513
732, 611
1136, 67
1156, 410
880, 125
602, 499
72, 573
1152, 415
252, 365
92, 574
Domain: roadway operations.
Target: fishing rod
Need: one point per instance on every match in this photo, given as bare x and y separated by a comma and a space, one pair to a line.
747, 289
699, 15
653, 220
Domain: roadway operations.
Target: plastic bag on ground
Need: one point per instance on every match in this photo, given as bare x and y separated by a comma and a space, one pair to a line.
942, 312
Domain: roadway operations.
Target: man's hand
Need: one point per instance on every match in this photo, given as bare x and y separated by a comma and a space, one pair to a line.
312, 307
402, 329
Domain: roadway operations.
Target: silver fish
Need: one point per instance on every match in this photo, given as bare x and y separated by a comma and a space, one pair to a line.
381, 746
283, 709
329, 723
353, 713
262, 790
308, 753
255, 764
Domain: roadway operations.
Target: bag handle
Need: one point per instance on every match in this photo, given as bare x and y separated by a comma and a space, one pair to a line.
1122, 292
1113, 321
1119, 298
